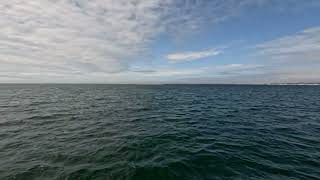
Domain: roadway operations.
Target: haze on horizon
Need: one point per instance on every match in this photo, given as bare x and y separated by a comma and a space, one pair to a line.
160, 41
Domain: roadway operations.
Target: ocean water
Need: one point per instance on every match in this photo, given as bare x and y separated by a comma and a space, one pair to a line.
159, 132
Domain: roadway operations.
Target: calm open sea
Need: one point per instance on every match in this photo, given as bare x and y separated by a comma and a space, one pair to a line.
159, 132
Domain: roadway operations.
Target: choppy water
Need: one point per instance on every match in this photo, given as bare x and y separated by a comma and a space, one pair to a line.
159, 132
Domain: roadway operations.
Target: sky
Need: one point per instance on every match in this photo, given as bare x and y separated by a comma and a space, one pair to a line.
160, 41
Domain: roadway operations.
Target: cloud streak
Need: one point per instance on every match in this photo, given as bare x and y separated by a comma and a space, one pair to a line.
301, 47
191, 56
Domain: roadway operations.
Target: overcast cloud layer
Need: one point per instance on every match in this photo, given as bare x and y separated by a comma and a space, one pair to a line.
98, 40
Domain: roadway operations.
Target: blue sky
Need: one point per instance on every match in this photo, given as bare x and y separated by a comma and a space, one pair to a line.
159, 41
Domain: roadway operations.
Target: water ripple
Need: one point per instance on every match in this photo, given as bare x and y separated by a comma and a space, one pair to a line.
159, 132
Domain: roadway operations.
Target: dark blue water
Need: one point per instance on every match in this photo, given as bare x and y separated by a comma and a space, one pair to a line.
159, 132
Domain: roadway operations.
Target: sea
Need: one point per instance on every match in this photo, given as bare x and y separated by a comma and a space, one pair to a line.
159, 132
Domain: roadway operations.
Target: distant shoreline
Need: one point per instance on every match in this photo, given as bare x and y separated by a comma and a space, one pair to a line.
266, 84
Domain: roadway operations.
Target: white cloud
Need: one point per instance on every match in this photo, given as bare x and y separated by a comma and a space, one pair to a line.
45, 40
98, 35
190, 56
79, 36
292, 58
301, 47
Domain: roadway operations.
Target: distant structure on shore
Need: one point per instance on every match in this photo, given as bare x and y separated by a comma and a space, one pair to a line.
297, 84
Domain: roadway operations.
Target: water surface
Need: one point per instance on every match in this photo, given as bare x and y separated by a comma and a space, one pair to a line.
159, 132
